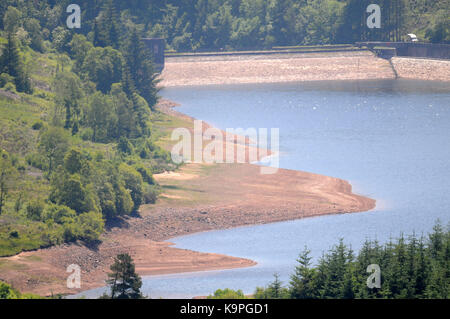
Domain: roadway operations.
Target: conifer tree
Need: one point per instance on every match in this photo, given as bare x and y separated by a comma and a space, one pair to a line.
139, 72
124, 282
12, 64
303, 278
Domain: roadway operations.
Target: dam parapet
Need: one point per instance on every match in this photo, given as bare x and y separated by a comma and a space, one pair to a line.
408, 49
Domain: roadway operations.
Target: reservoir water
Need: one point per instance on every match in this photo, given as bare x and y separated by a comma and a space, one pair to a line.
389, 138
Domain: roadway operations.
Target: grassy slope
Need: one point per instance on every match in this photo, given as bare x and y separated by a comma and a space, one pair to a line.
18, 113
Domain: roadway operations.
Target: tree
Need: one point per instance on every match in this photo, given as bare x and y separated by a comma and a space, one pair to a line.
11, 19
91, 225
100, 116
33, 27
53, 145
275, 290
227, 294
61, 37
70, 191
302, 282
79, 48
103, 67
68, 93
7, 292
134, 183
139, 70
73, 161
6, 173
11, 63
124, 282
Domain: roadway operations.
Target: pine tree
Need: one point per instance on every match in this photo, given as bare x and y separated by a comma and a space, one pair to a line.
302, 282
11, 57
124, 282
97, 37
12, 64
422, 272
139, 72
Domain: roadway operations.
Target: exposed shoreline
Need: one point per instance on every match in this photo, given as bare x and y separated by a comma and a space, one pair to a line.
197, 198
202, 197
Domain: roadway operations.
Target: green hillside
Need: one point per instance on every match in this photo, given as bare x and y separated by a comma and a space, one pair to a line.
78, 145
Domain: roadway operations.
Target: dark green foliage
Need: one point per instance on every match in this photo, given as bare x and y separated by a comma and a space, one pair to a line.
7, 292
440, 32
53, 145
412, 268
139, 70
37, 125
7, 172
227, 294
134, 183
107, 26
12, 64
124, 282
34, 210
68, 93
275, 290
301, 285
69, 190
103, 66
124, 145
151, 193
34, 30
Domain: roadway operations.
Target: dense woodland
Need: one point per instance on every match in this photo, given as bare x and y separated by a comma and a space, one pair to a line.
78, 136
411, 267
77, 146
234, 24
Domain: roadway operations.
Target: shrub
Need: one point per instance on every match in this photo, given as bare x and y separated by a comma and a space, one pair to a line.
86, 134
133, 182
5, 78
58, 213
10, 87
147, 175
7, 292
36, 160
124, 146
227, 294
14, 234
151, 193
37, 125
91, 226
34, 210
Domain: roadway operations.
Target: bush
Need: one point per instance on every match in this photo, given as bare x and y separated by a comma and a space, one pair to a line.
10, 87
6, 78
151, 193
91, 226
14, 234
227, 294
124, 146
34, 210
133, 182
37, 125
7, 292
36, 160
87, 134
147, 175
58, 213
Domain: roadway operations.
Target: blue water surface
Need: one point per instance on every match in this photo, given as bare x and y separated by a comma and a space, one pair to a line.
389, 138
